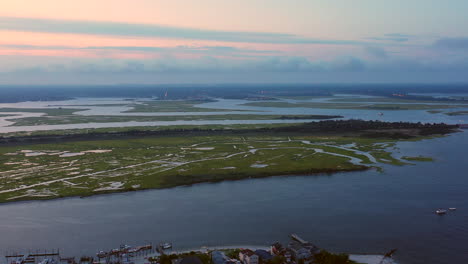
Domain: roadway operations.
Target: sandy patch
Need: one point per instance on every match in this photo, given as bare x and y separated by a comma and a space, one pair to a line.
34, 154
258, 166
98, 151
13, 163
71, 154
205, 148
113, 186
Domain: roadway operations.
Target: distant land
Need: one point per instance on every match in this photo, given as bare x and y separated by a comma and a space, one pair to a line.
15, 93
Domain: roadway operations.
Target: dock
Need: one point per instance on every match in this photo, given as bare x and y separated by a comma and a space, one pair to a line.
299, 239
45, 257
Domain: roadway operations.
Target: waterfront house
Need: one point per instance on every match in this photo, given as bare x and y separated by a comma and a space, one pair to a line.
288, 254
276, 249
263, 255
218, 257
247, 256
303, 250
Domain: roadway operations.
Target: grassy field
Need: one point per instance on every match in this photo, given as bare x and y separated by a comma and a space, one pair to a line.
367, 106
172, 106
46, 111
77, 119
81, 168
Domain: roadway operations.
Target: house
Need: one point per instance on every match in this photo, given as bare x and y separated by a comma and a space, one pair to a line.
276, 249
263, 255
299, 251
288, 254
219, 257
247, 256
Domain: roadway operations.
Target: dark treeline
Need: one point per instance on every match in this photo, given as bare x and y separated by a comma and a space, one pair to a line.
309, 117
361, 128
372, 128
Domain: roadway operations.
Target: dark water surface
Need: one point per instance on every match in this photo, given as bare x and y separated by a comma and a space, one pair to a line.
363, 212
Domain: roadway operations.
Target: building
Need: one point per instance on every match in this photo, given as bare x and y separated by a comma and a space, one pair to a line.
218, 257
276, 249
299, 251
288, 254
263, 255
247, 256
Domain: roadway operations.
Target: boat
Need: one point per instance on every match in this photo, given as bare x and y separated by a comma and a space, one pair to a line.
452, 209
166, 245
441, 211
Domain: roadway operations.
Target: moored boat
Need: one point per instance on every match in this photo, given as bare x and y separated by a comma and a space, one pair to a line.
166, 245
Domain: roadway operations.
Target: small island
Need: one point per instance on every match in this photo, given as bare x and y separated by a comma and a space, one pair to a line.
85, 163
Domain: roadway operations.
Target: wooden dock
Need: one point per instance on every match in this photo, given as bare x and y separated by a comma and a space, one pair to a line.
298, 239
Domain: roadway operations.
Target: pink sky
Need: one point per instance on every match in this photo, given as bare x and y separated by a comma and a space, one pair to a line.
290, 35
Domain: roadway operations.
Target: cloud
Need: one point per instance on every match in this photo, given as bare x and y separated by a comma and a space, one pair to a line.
204, 64
171, 63
158, 31
452, 43
208, 69
214, 50
394, 37
398, 35
377, 52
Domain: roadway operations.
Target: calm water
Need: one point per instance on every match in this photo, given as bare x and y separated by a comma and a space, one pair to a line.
95, 106
365, 212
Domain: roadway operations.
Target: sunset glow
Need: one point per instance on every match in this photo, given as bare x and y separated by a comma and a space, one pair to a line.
308, 36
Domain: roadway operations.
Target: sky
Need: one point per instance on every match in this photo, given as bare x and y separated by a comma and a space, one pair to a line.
233, 41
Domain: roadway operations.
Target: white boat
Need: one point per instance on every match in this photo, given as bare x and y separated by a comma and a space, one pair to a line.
441, 211
166, 245
452, 209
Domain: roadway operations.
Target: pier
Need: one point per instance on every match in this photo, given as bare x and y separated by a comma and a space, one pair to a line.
299, 239
37, 257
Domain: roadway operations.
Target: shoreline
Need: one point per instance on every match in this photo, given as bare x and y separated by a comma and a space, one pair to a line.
362, 258
128, 191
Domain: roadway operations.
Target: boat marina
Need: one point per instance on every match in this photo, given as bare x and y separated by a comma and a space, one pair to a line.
298, 250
